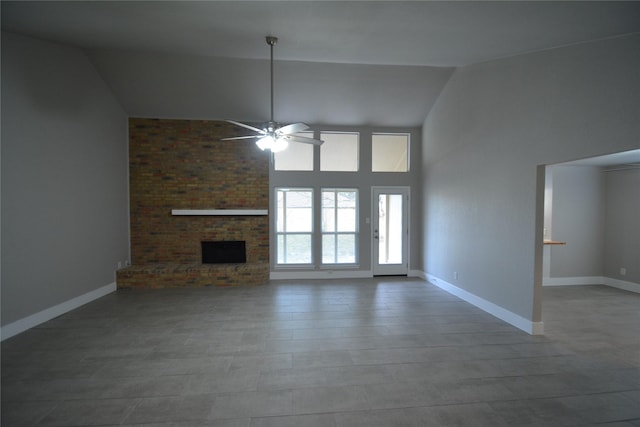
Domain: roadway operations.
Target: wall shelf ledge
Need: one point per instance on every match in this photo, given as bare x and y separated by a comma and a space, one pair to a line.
218, 212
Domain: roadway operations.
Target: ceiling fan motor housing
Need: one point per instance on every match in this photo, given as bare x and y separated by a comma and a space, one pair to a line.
271, 41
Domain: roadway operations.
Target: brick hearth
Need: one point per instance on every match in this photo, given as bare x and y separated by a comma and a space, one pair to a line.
187, 275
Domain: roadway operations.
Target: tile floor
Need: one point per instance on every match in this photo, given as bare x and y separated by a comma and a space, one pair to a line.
370, 352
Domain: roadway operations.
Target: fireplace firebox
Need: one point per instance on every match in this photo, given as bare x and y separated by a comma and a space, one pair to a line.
224, 252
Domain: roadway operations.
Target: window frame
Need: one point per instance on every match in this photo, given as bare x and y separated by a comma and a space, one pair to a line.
357, 153
308, 147
285, 233
408, 160
356, 233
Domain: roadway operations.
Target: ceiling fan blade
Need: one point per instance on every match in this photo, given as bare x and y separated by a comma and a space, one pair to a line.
293, 128
241, 137
246, 126
303, 139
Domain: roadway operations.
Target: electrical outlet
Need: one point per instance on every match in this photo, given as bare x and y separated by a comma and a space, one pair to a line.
119, 265
623, 271
455, 275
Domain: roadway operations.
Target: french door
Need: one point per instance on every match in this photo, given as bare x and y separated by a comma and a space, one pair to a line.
390, 230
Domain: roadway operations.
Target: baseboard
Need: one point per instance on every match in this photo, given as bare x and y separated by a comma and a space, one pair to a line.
572, 281
332, 274
320, 274
528, 326
417, 273
592, 280
621, 284
36, 319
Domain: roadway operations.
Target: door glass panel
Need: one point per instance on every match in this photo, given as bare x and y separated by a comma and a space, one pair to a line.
390, 229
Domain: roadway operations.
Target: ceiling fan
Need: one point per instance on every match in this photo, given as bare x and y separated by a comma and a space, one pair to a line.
274, 136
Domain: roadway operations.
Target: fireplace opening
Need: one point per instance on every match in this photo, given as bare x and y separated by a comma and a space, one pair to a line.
222, 252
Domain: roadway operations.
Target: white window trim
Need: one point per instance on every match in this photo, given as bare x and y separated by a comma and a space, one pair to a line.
277, 233
355, 233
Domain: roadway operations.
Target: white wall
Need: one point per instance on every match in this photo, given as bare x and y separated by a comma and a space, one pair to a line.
492, 126
64, 182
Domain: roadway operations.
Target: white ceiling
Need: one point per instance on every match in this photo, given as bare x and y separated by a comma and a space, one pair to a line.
353, 63
441, 34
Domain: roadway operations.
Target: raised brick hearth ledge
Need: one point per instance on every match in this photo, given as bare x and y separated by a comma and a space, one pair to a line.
151, 276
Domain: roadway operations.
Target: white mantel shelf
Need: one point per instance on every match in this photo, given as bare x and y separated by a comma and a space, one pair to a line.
219, 212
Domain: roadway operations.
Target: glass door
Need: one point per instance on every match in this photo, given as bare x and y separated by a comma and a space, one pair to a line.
390, 231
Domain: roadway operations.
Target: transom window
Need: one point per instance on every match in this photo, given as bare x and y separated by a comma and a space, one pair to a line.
339, 153
297, 156
390, 152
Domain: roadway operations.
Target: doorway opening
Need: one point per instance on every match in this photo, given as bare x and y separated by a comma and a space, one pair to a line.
586, 229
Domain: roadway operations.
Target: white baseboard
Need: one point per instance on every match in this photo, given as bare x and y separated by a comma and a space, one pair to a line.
621, 284
29, 322
572, 281
332, 274
592, 280
320, 274
417, 273
530, 327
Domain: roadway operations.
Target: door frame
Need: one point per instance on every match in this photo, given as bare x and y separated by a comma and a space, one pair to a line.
394, 269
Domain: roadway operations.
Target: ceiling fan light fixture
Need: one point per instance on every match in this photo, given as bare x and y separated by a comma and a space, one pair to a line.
266, 143
273, 143
279, 144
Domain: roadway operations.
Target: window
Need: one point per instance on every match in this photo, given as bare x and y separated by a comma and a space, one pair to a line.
339, 226
339, 153
297, 157
294, 225
390, 152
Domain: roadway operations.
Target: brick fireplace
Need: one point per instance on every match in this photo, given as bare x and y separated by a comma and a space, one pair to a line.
178, 166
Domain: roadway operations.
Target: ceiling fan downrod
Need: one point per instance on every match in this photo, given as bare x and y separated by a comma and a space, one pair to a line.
273, 136
271, 41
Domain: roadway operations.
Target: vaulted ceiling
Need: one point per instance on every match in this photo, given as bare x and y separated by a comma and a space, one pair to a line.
342, 63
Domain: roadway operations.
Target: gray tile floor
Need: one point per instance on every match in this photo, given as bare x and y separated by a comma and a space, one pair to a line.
371, 352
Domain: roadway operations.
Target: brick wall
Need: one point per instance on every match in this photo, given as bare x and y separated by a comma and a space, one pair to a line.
183, 164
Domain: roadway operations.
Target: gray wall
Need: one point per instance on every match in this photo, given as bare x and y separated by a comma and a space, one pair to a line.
492, 126
578, 220
363, 180
191, 87
622, 225
64, 177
